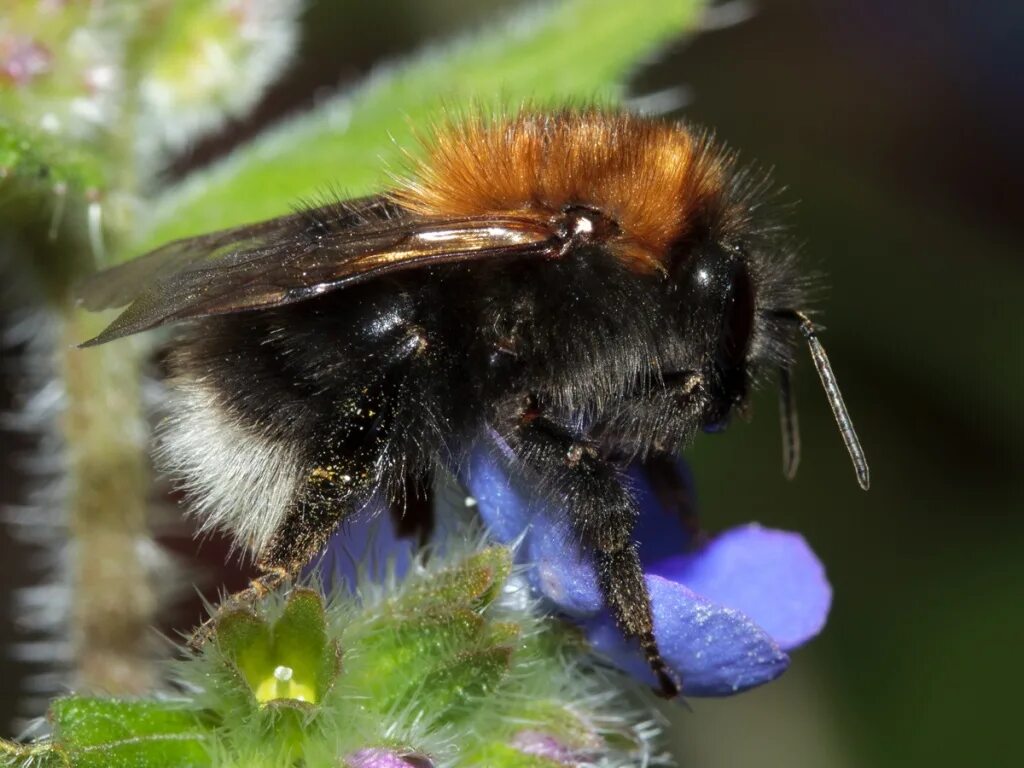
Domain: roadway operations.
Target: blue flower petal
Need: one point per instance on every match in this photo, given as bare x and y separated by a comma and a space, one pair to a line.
716, 651
771, 576
560, 571
563, 572
504, 511
660, 532
366, 541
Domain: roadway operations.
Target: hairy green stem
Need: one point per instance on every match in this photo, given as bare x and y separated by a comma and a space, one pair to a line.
113, 600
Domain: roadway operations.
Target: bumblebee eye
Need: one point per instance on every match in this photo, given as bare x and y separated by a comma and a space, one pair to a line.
718, 315
718, 302
737, 316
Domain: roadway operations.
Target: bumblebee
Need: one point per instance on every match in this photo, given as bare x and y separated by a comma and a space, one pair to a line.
586, 288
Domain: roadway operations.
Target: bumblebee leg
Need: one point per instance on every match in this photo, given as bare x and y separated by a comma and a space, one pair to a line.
681, 399
329, 496
313, 518
603, 513
353, 458
341, 472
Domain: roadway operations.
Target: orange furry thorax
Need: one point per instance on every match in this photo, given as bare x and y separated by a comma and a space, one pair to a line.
658, 182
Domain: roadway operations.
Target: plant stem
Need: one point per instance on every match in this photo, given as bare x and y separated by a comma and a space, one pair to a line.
113, 600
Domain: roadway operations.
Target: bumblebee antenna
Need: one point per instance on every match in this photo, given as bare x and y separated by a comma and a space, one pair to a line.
835, 400
790, 424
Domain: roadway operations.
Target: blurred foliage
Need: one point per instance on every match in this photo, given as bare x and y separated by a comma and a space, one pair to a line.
867, 112
574, 51
93, 97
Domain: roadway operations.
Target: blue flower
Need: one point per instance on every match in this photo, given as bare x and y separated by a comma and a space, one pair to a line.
725, 612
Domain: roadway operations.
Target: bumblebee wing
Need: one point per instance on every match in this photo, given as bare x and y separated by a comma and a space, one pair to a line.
123, 284
292, 259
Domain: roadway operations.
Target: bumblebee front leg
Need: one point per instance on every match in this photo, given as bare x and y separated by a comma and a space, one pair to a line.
647, 430
604, 514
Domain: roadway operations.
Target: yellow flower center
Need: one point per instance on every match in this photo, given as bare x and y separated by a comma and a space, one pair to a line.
283, 685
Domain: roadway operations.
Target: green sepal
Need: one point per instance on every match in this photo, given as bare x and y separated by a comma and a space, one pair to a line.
289, 661
244, 638
400, 651
450, 691
474, 583
300, 642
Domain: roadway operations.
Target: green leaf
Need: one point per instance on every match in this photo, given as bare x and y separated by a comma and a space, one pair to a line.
112, 734
574, 51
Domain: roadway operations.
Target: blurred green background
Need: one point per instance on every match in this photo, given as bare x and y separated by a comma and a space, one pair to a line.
896, 127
